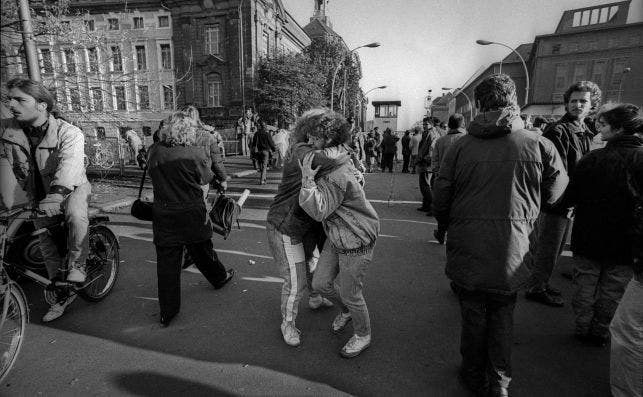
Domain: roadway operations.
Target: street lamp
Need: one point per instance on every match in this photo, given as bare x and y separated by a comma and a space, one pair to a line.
459, 91
360, 102
625, 71
524, 65
332, 85
373, 89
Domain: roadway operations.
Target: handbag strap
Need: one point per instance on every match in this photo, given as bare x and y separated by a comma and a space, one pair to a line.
140, 188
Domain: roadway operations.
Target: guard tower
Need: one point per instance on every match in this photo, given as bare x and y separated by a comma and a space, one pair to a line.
386, 114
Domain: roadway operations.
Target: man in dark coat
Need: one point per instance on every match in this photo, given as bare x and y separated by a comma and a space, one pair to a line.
264, 145
406, 151
389, 147
572, 139
488, 193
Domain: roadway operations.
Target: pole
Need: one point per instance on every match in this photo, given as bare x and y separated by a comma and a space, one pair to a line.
27, 37
241, 63
524, 65
332, 84
470, 104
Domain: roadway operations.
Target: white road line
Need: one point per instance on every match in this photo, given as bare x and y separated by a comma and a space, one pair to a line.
146, 298
388, 235
147, 260
394, 201
252, 225
265, 279
408, 220
244, 254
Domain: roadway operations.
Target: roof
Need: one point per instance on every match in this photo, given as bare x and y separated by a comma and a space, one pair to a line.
524, 50
594, 17
376, 103
316, 28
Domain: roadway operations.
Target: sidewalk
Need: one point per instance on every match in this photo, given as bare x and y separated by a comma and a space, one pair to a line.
112, 191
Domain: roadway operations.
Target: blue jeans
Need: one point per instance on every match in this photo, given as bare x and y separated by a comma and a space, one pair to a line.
75, 209
339, 277
487, 333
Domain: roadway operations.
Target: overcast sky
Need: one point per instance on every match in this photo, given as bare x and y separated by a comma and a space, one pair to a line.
430, 44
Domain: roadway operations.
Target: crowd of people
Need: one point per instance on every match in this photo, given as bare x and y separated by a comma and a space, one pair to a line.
504, 194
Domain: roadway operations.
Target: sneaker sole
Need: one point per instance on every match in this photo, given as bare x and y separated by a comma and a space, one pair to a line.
353, 354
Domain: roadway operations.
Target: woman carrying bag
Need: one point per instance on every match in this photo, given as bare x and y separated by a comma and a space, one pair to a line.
178, 168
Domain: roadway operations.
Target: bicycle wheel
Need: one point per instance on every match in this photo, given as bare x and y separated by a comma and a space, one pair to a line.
14, 321
102, 264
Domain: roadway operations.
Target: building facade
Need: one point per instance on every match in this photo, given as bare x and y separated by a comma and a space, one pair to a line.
593, 43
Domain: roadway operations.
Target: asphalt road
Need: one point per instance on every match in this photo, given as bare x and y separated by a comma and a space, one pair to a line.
227, 342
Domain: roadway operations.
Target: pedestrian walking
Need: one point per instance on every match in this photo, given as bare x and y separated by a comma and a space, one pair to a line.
178, 169
263, 146
442, 144
389, 148
406, 151
416, 139
245, 130
488, 194
370, 151
423, 163
603, 190
572, 139
351, 224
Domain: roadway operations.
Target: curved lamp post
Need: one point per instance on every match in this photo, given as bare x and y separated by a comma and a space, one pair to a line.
373, 89
524, 65
360, 100
459, 91
332, 84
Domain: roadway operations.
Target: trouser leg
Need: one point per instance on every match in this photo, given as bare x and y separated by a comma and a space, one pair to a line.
325, 277
473, 338
405, 162
352, 270
49, 251
586, 277
549, 245
500, 310
425, 189
168, 269
626, 329
289, 257
611, 287
207, 261
75, 207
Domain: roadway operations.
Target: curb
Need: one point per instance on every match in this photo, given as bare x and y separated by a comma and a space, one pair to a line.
126, 202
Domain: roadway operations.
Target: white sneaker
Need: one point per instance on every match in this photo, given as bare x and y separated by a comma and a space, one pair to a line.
57, 309
291, 333
317, 301
355, 345
77, 274
340, 322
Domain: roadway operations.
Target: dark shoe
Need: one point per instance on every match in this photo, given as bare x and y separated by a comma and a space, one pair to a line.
429, 213
230, 274
166, 320
477, 384
454, 287
424, 209
438, 236
542, 296
553, 291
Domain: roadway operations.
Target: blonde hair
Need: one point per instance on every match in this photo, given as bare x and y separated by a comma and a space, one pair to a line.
179, 130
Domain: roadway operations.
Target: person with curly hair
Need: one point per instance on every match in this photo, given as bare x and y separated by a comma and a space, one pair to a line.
337, 200
179, 167
294, 237
573, 140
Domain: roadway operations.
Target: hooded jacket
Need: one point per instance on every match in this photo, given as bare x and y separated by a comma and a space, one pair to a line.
489, 193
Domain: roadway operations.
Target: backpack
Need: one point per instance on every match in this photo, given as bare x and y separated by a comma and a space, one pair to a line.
223, 213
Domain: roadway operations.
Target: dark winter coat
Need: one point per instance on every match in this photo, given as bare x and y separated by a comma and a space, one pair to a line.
489, 193
572, 139
602, 191
389, 143
406, 145
177, 175
262, 140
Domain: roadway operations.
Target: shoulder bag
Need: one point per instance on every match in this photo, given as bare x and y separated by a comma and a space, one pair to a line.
142, 209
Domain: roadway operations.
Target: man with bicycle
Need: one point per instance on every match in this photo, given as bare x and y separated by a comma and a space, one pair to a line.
46, 153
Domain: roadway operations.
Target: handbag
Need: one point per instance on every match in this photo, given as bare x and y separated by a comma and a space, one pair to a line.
142, 210
222, 215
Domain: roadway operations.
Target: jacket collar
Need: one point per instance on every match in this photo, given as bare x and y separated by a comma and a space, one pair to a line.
13, 133
50, 140
625, 141
457, 131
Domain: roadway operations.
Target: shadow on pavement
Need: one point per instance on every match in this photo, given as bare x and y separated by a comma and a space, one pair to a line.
153, 384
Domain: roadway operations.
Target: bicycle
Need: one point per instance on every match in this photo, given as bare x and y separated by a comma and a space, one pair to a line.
101, 267
100, 158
